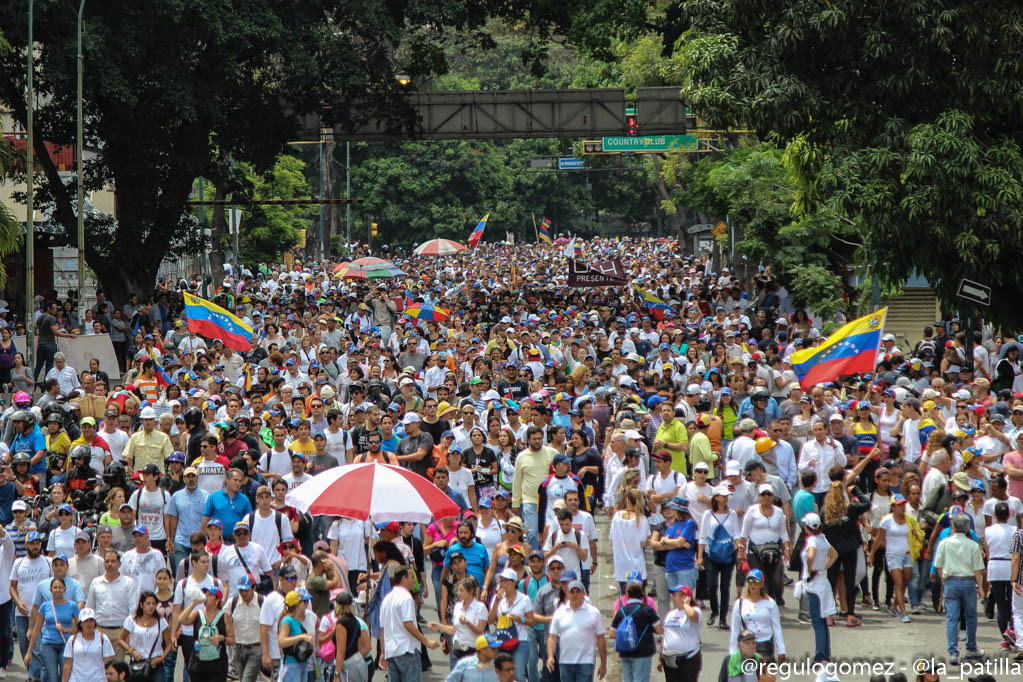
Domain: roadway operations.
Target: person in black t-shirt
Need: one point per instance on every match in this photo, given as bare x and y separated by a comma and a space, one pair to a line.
511, 385
647, 624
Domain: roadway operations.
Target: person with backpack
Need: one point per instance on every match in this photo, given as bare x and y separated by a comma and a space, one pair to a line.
716, 552
244, 609
635, 622
214, 633
187, 590
269, 527
344, 642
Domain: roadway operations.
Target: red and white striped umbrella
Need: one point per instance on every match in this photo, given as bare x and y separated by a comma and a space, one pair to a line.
439, 247
381, 492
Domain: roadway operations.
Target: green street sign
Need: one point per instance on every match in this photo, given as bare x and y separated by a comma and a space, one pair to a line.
651, 144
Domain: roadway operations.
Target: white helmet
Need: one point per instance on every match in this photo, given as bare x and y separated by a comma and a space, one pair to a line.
147, 413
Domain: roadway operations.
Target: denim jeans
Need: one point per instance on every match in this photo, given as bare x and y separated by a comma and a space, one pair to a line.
687, 576
529, 519
404, 668
719, 582
435, 572
294, 672
960, 597
521, 656
36, 668
531, 673
577, 672
821, 636
635, 669
919, 582
51, 657
584, 577
180, 552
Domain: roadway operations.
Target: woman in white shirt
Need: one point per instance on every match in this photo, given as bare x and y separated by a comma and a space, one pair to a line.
998, 537
489, 529
680, 642
892, 533
461, 479
755, 611
87, 652
517, 607
764, 540
468, 621
146, 637
719, 573
818, 555
348, 538
629, 534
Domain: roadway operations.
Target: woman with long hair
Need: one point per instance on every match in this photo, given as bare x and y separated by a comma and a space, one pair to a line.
893, 533
351, 640
214, 633
440, 534
818, 557
290, 631
636, 664
764, 541
887, 417
802, 423
87, 651
511, 605
629, 534
841, 528
113, 502
482, 463
727, 411
146, 636
55, 621
21, 376
718, 530
556, 438
489, 528
467, 620
7, 351
757, 612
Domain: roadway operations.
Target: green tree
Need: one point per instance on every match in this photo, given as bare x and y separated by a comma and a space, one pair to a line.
268, 231
906, 115
10, 229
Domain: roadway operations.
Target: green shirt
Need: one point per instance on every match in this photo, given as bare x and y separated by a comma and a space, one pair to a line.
699, 450
958, 557
675, 432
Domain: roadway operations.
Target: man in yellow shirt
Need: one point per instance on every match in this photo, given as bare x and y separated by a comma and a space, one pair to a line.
672, 436
148, 445
531, 469
303, 443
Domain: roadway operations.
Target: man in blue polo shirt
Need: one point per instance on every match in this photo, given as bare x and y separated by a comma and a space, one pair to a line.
477, 561
229, 505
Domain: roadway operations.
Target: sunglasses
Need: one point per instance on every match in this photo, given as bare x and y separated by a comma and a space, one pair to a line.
753, 580
64, 513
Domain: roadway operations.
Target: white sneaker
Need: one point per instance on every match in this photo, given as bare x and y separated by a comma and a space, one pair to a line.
3, 673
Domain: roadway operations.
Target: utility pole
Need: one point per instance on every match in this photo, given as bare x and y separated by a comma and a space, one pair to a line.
348, 194
30, 232
79, 149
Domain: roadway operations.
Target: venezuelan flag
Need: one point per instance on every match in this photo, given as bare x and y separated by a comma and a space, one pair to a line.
477, 234
545, 231
851, 349
161, 376
657, 307
212, 321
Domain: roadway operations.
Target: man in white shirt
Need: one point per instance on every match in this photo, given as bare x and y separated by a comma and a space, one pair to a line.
577, 629
583, 521
242, 558
84, 566
112, 596
26, 574
298, 474
144, 562
743, 448
268, 526
399, 633
820, 454
187, 591
150, 506
276, 462
65, 374
115, 438
245, 611
270, 615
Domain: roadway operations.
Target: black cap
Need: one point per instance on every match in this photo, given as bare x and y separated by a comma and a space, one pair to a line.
151, 469
287, 571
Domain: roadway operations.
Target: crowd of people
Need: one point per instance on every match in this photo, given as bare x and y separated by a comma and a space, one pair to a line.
146, 525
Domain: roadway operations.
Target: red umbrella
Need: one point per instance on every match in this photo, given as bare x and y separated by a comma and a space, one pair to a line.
439, 247
379, 491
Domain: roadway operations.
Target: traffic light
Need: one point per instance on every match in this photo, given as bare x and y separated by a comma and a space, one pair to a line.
373, 229
593, 147
631, 122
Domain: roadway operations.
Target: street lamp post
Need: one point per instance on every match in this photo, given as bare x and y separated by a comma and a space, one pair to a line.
79, 152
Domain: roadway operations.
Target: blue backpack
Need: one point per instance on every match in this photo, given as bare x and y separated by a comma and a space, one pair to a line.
626, 640
722, 546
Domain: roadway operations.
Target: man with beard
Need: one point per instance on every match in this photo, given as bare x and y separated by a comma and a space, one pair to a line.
26, 574
477, 560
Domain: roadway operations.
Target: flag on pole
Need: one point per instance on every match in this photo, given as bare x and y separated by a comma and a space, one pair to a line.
477, 234
247, 371
657, 307
212, 321
850, 350
161, 376
545, 231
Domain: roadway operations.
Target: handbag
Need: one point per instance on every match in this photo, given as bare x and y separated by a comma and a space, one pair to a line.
301, 651
768, 553
140, 671
798, 589
328, 649
506, 633
265, 584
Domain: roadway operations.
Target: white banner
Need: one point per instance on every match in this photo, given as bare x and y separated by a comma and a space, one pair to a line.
81, 349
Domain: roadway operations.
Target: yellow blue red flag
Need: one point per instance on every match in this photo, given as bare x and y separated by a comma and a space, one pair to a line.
212, 321
850, 350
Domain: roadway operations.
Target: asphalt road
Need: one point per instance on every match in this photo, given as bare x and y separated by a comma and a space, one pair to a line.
882, 645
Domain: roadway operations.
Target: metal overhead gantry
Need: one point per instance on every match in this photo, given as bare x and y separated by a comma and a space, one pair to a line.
511, 114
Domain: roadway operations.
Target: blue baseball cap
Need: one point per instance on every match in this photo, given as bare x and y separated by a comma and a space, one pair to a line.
33, 536
65, 508
176, 456
486, 503
245, 583
755, 574
568, 576
140, 528
215, 522
634, 576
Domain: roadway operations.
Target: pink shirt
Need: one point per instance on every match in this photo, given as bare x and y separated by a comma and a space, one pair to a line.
1014, 459
436, 532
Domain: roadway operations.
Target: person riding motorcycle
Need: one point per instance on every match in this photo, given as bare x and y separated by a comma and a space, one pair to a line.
25, 483
81, 475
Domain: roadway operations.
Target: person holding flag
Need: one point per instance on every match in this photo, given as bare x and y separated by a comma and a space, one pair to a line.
477, 233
